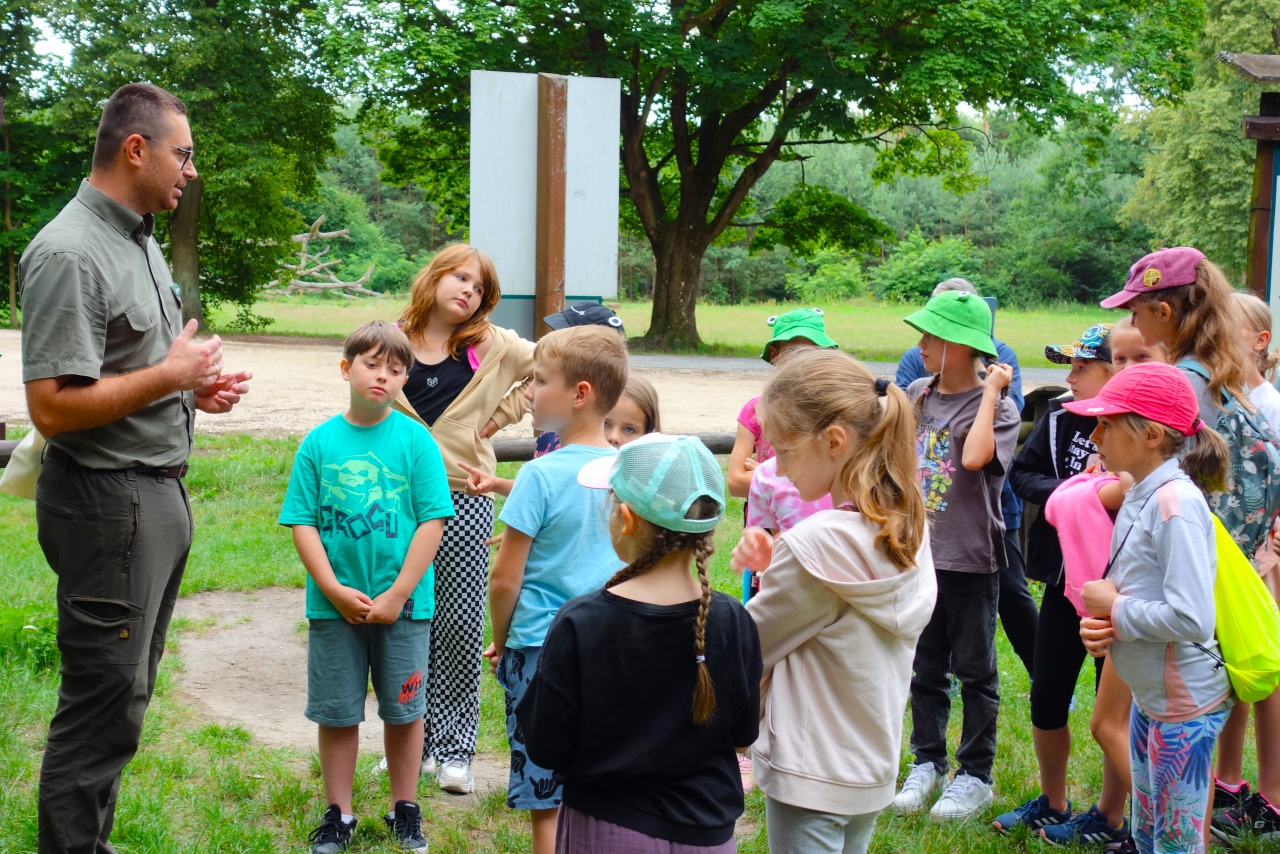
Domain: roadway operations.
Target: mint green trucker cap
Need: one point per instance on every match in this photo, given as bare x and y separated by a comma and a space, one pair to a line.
660, 477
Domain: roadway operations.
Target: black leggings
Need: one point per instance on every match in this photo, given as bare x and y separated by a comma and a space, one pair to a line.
1059, 654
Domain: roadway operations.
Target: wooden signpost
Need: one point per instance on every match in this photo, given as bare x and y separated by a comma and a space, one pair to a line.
1262, 272
544, 190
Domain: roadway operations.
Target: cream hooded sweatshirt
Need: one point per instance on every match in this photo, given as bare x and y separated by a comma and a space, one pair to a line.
838, 627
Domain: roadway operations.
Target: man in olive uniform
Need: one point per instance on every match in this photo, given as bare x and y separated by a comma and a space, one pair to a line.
113, 381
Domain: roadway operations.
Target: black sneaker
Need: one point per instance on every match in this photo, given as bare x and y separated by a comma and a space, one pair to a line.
333, 834
1123, 845
406, 824
1224, 799
1256, 817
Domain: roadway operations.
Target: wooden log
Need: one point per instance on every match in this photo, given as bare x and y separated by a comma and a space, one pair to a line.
521, 450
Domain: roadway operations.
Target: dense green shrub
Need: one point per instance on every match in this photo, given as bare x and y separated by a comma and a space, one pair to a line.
917, 265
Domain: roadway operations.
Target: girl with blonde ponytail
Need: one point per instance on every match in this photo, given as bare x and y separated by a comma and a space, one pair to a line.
843, 597
645, 688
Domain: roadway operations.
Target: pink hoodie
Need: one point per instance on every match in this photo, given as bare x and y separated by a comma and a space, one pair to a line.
1084, 529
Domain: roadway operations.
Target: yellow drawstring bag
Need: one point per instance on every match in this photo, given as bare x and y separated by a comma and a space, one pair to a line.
1248, 622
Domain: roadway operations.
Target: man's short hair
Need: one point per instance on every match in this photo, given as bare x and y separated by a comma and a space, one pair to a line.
594, 354
380, 336
962, 285
142, 108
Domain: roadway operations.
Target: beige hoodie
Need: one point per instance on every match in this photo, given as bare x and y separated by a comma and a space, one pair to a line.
496, 391
838, 627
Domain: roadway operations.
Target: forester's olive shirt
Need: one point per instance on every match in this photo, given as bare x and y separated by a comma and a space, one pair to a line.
98, 301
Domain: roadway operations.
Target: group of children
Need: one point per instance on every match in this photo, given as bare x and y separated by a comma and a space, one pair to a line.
641, 704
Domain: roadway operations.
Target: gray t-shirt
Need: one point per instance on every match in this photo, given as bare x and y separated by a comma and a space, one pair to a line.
1210, 408
968, 525
98, 301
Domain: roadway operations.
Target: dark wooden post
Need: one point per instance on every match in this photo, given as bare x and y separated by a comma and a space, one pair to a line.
553, 119
1265, 129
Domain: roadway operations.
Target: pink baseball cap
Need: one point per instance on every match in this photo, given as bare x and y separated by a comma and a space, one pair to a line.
1153, 390
1167, 268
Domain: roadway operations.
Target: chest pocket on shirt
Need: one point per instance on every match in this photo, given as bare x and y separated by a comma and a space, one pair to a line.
131, 344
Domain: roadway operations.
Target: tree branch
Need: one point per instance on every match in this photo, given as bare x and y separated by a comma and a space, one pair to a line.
700, 21
756, 168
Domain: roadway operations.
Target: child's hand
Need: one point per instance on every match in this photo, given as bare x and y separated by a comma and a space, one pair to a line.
489, 429
495, 540
494, 655
751, 464
1098, 596
998, 377
478, 482
1096, 634
753, 552
386, 609
351, 604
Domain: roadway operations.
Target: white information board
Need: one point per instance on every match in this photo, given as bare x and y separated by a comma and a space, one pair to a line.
504, 184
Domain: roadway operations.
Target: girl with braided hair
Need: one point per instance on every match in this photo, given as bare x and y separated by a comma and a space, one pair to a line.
646, 687
844, 596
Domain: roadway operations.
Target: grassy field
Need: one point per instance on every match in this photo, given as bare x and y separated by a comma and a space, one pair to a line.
872, 331
200, 787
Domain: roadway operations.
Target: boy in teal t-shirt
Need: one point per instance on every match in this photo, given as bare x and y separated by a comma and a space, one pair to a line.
367, 501
556, 545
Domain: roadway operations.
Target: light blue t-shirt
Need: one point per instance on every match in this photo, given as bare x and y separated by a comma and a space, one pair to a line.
571, 552
367, 489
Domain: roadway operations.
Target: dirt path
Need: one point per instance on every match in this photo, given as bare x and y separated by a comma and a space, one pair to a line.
296, 385
245, 663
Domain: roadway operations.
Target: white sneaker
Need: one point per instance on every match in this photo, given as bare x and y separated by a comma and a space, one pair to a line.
922, 782
456, 777
965, 798
428, 766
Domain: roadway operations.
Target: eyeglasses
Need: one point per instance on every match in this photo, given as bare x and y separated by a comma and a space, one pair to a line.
188, 153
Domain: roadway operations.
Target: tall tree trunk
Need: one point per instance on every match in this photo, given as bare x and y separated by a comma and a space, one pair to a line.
677, 275
184, 258
8, 227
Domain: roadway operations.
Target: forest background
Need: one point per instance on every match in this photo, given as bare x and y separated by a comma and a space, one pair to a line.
299, 109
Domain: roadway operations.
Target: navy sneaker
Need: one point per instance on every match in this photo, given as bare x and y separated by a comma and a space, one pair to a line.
406, 824
1224, 799
1255, 817
333, 834
1085, 828
1034, 814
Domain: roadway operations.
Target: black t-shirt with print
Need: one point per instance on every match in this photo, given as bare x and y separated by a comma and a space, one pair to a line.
610, 710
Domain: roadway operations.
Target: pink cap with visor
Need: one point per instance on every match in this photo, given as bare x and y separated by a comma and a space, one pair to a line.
1168, 268
1154, 390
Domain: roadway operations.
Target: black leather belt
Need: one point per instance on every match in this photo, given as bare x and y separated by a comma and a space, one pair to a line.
177, 471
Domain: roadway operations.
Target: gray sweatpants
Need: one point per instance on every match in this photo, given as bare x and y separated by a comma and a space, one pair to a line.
118, 542
796, 830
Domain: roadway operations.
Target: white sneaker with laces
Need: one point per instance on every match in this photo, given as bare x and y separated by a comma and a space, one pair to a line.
456, 777
965, 798
428, 767
922, 782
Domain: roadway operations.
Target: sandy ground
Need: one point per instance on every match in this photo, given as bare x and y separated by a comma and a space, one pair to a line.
297, 385
245, 663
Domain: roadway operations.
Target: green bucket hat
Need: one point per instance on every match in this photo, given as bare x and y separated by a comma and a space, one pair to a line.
800, 323
958, 317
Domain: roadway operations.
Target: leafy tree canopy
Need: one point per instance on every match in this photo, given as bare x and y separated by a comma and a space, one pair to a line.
715, 92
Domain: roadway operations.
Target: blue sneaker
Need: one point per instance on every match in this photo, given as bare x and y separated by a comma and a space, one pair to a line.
1034, 814
1086, 828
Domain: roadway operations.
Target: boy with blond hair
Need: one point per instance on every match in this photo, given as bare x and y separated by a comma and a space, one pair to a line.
557, 544
367, 502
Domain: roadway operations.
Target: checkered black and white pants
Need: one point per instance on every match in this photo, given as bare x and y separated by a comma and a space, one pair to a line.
457, 631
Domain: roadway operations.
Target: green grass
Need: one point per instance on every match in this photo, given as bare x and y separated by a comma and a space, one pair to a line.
872, 331
197, 787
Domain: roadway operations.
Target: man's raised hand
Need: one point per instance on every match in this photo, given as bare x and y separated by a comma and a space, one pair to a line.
192, 365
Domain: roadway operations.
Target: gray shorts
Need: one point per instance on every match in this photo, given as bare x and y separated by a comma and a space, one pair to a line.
342, 659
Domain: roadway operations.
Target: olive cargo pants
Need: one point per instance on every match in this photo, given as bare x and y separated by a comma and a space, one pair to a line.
118, 542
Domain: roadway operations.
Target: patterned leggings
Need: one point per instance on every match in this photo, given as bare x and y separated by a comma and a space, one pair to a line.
1171, 780
457, 631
